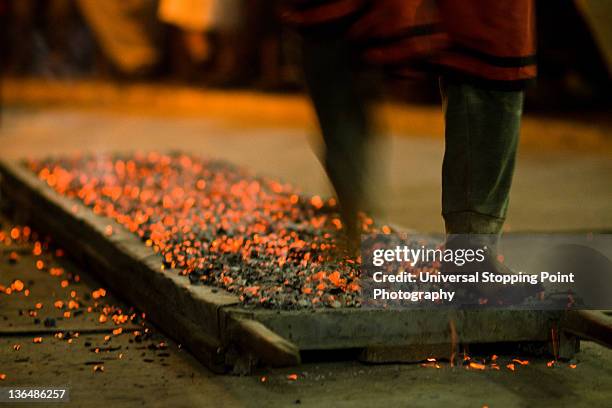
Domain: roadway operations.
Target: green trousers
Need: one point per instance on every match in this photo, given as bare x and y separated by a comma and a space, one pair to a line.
482, 131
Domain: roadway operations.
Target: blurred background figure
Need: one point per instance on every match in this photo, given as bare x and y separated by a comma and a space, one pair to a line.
208, 35
127, 32
219, 43
225, 43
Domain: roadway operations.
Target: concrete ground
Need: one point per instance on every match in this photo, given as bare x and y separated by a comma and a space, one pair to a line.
560, 184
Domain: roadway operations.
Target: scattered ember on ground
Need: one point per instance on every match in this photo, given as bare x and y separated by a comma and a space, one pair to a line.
219, 225
477, 366
484, 363
71, 300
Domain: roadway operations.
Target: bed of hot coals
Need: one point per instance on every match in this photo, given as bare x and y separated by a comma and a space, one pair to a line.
219, 225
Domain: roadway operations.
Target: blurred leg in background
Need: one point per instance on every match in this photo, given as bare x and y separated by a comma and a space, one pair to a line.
128, 33
342, 107
232, 67
191, 25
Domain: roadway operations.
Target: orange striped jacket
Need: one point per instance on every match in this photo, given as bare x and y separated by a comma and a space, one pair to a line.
490, 41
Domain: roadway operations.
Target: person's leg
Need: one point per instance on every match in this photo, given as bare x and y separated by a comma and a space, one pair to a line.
340, 103
482, 132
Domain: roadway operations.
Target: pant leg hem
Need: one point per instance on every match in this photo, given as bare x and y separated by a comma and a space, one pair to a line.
470, 222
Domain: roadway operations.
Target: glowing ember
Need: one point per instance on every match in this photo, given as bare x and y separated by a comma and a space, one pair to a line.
477, 366
96, 294
17, 285
219, 225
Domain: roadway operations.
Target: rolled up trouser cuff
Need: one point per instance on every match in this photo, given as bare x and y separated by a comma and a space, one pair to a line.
469, 222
